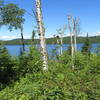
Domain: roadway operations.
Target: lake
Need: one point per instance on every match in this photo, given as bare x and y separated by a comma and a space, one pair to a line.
14, 50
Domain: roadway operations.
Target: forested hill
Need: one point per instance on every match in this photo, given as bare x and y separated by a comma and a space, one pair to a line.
93, 39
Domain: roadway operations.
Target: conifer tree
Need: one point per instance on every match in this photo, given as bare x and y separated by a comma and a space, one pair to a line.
86, 46
6, 66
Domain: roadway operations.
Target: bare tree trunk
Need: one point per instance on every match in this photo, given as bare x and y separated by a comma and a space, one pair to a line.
62, 33
58, 45
72, 49
75, 42
41, 34
73, 24
61, 44
71, 40
22, 40
75, 34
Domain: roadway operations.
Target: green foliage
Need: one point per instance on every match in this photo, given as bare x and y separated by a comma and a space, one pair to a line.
12, 15
81, 61
7, 67
86, 47
60, 82
11, 69
65, 58
23, 79
30, 63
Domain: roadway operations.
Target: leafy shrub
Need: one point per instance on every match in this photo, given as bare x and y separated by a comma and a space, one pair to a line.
60, 82
30, 63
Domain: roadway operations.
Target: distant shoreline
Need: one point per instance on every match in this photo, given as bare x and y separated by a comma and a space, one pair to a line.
66, 40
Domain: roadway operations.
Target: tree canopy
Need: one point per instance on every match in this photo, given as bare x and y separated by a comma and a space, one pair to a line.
12, 16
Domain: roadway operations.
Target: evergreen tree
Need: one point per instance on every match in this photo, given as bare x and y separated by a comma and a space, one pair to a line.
7, 65
86, 46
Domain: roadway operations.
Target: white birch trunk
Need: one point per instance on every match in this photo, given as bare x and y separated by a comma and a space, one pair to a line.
72, 49
59, 50
75, 42
61, 47
71, 42
61, 33
41, 34
75, 35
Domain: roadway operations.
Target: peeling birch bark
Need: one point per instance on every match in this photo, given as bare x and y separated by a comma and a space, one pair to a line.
41, 31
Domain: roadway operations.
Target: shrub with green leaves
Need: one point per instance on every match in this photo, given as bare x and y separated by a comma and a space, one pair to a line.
30, 63
60, 82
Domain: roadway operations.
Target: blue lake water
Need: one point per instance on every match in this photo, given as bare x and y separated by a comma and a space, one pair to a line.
14, 50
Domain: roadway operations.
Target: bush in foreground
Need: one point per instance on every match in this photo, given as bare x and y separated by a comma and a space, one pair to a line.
59, 83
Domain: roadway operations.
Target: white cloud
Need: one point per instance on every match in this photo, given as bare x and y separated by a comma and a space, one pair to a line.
98, 33
12, 37
7, 37
28, 36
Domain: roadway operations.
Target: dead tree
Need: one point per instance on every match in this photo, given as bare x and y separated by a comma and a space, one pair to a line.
71, 38
73, 25
76, 31
61, 32
41, 31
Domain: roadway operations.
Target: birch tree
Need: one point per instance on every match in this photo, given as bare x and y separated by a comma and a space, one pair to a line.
41, 31
60, 34
73, 25
76, 31
71, 38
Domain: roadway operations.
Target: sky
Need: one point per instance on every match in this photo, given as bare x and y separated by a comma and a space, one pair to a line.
55, 16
